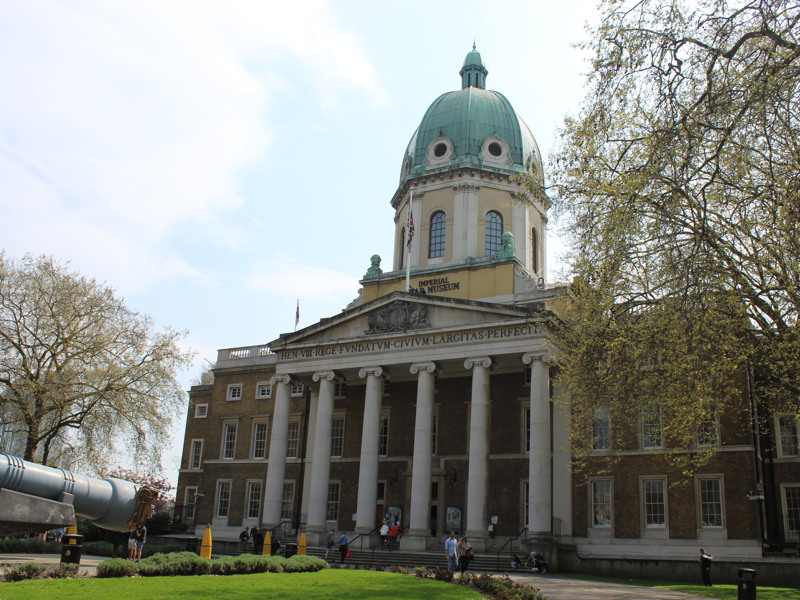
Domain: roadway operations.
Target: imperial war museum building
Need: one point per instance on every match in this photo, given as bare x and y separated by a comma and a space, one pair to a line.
437, 406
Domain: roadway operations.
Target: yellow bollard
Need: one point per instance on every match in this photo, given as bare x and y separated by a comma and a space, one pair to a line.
72, 530
205, 545
266, 549
301, 544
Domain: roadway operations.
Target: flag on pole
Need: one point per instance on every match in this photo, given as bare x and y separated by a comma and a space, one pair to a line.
410, 226
297, 315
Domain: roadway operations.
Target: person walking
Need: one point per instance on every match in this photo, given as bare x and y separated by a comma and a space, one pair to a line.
451, 552
465, 554
344, 542
705, 567
140, 536
329, 543
132, 545
384, 534
394, 531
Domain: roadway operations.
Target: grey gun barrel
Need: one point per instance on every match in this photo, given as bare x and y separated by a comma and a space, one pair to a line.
109, 503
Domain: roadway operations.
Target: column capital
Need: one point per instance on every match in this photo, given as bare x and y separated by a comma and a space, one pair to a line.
430, 367
376, 371
531, 357
287, 379
478, 361
329, 375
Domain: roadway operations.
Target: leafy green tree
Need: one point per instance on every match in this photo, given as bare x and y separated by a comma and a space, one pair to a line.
83, 378
678, 184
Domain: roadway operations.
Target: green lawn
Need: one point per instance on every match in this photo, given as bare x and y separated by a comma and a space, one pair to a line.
724, 592
324, 585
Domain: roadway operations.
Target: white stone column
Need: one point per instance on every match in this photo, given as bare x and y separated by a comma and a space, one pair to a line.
273, 495
312, 427
478, 447
539, 467
423, 450
321, 461
370, 432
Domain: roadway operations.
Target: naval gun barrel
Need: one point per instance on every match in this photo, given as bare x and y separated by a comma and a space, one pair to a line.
109, 503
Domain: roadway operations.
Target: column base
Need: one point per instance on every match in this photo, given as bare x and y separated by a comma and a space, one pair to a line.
416, 539
478, 539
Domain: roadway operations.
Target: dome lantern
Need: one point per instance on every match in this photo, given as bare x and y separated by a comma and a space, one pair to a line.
473, 73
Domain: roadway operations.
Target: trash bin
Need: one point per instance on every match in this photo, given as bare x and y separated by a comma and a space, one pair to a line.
747, 584
71, 549
289, 550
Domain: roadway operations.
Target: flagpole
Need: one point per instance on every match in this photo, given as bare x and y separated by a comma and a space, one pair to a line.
297, 315
410, 234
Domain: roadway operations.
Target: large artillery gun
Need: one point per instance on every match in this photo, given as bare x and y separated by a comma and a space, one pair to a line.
36, 498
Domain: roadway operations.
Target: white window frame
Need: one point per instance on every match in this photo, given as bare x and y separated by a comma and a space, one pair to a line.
189, 502
234, 392
526, 502
594, 523
196, 465
255, 439
252, 485
779, 435
645, 502
525, 426
435, 431
699, 479
601, 428
339, 389
647, 428
338, 423
227, 444
293, 426
287, 500
219, 501
708, 430
296, 390
789, 531
263, 390
334, 501
383, 433
201, 411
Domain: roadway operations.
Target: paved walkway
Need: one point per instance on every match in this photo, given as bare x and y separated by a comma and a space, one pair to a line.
557, 588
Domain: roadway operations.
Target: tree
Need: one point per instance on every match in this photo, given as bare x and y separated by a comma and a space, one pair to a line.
82, 376
679, 186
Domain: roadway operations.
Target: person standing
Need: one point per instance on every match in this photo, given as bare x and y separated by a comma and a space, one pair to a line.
384, 534
329, 543
344, 542
258, 540
140, 536
705, 567
394, 531
465, 554
451, 552
132, 545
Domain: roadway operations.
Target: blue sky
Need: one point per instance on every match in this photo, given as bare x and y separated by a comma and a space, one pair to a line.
216, 161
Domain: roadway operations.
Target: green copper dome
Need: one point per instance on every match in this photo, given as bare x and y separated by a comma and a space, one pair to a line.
472, 126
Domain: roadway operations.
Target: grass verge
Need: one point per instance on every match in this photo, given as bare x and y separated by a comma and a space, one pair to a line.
324, 585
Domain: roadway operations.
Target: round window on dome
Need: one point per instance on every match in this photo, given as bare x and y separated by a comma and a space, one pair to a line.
440, 150
495, 149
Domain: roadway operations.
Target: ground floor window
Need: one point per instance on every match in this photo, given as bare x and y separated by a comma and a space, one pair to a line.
287, 503
791, 509
334, 488
223, 498
601, 507
654, 503
253, 499
709, 492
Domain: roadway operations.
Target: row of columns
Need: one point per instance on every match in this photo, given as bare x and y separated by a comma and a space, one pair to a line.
539, 516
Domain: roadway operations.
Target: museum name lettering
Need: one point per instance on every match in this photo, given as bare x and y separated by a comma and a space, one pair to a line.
438, 284
416, 342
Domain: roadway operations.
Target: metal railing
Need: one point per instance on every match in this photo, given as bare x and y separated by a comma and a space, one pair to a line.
510, 542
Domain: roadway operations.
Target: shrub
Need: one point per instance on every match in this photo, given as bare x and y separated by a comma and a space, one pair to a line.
304, 564
423, 572
98, 548
28, 546
26, 571
117, 567
61, 572
442, 574
399, 569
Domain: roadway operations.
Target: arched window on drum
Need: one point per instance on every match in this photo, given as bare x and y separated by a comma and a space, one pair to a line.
438, 235
494, 233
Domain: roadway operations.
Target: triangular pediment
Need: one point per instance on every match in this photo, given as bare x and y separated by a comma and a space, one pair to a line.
399, 313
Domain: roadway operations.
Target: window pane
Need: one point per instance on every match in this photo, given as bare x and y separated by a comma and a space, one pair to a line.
494, 233
332, 513
223, 498
651, 427
792, 509
260, 440
337, 436
197, 453
790, 444
601, 504
710, 503
654, 506
293, 438
287, 503
438, 234
383, 437
601, 429
229, 440
253, 499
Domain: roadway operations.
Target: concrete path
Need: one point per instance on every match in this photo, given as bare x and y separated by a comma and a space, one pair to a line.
557, 588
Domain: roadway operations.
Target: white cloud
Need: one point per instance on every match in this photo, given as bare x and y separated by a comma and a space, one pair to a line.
285, 277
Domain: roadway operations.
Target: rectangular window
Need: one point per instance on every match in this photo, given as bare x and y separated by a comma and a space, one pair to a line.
234, 391
791, 508
253, 509
654, 502
526, 425
201, 411
189, 502
260, 440
223, 498
601, 491
339, 390
435, 432
293, 439
710, 495
601, 429
383, 436
527, 376
788, 435
337, 436
526, 503
229, 440
708, 429
652, 433
196, 454
297, 389
387, 387
263, 390
332, 513
287, 501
